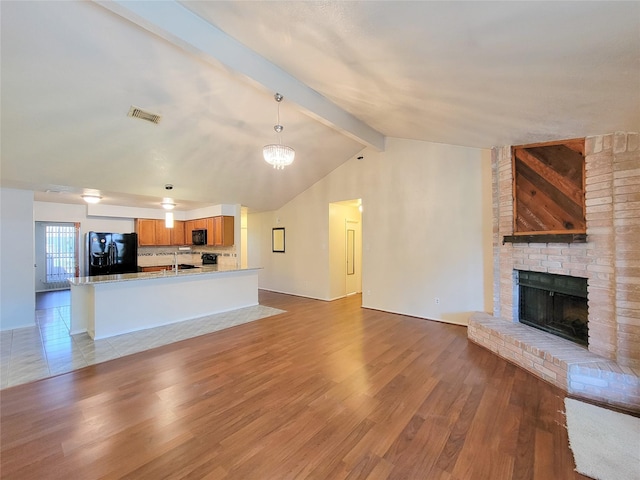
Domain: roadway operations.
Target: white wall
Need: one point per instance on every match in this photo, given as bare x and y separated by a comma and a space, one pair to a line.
304, 267
243, 238
63, 212
17, 286
487, 226
426, 229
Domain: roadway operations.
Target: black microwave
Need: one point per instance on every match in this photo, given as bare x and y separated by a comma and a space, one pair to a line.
199, 237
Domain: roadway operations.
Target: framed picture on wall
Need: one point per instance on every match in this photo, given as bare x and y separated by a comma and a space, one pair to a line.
277, 240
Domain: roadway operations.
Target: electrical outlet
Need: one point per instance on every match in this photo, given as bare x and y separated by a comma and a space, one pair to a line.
437, 300
368, 292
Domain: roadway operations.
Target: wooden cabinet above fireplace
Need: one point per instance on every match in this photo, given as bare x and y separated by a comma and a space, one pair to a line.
548, 192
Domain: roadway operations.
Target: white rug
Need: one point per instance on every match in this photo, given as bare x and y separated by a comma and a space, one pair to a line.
605, 444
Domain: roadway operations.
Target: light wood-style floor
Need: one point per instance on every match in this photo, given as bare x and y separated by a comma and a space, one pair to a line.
327, 390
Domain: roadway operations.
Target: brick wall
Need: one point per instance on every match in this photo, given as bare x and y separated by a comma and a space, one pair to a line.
626, 224
610, 260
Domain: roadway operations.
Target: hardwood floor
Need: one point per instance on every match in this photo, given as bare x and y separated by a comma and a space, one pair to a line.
324, 391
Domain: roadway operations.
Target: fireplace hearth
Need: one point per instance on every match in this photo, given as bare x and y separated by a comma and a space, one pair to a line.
554, 303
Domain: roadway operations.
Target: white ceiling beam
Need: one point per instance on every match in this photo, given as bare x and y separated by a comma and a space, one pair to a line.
180, 26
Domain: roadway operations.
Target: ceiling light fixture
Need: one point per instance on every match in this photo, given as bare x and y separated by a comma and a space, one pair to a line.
276, 154
91, 197
168, 203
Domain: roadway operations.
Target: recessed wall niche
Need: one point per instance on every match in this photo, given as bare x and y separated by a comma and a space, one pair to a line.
548, 189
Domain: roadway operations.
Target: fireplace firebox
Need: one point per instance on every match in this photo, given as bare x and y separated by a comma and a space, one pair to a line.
554, 303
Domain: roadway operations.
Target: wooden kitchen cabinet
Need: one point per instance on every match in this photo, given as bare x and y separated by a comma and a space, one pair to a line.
157, 268
220, 231
190, 225
153, 233
210, 231
146, 230
170, 236
188, 228
177, 234
224, 227
163, 234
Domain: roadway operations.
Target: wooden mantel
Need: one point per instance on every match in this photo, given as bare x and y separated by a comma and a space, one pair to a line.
546, 238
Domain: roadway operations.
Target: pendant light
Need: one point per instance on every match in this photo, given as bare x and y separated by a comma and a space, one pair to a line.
168, 219
168, 204
276, 154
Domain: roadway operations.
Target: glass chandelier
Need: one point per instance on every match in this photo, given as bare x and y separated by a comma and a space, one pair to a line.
276, 154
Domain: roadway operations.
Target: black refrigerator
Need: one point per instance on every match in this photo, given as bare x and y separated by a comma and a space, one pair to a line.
110, 253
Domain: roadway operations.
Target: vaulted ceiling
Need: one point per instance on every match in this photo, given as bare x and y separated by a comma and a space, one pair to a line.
477, 74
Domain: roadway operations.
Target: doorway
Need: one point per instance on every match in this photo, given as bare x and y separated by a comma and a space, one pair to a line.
352, 230
56, 255
345, 248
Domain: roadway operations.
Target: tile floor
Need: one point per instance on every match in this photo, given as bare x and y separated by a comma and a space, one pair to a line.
47, 349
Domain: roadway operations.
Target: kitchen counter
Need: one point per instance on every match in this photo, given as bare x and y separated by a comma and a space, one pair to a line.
108, 305
127, 277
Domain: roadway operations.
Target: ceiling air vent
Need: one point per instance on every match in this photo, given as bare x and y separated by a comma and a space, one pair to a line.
137, 112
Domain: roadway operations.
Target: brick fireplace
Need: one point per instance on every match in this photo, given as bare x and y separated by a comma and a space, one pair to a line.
610, 261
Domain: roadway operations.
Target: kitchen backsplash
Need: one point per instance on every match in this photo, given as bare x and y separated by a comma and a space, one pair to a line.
152, 256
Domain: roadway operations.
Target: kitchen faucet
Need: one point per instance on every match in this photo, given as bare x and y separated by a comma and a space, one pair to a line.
175, 262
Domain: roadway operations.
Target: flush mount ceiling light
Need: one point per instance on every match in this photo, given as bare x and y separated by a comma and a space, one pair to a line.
91, 197
276, 154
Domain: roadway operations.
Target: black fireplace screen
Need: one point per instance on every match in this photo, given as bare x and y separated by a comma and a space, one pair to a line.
554, 303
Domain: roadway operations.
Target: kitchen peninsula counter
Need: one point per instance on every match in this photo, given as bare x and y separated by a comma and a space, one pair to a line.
127, 277
108, 305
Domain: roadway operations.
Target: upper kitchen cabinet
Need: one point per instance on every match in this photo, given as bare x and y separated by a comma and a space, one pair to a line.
178, 236
220, 231
153, 233
191, 225
163, 234
146, 230
170, 236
